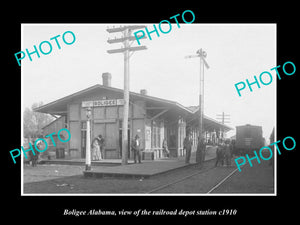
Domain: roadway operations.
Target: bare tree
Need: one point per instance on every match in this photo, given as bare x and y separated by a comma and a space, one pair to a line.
33, 122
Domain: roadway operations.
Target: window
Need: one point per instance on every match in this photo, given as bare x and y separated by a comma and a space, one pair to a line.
156, 136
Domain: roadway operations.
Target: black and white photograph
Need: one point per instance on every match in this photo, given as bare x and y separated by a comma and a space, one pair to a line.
139, 115
195, 100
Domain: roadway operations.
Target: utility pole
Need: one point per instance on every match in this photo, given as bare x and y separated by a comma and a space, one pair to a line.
126, 30
224, 119
202, 55
88, 140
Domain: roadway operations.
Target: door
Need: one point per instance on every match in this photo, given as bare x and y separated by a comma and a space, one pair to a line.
111, 137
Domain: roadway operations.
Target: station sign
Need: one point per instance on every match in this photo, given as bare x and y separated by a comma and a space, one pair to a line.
103, 103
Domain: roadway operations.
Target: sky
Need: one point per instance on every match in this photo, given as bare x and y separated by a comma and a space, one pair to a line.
235, 52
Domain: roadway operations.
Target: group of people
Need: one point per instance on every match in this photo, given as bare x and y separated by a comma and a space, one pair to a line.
224, 150
224, 153
200, 153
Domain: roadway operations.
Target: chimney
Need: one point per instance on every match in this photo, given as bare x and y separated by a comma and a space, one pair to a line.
143, 92
106, 79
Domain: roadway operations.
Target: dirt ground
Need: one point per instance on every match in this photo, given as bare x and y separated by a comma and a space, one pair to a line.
66, 179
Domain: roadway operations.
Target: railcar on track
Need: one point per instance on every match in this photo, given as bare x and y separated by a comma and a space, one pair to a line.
248, 139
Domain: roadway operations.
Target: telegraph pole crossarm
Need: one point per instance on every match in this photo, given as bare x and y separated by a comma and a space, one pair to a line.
122, 39
122, 50
191, 56
223, 117
123, 28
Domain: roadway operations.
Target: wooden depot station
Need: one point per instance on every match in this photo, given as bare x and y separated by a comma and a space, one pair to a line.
152, 118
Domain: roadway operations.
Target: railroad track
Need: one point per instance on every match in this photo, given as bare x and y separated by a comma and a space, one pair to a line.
182, 179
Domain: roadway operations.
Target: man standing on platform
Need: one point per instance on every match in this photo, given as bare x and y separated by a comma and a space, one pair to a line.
220, 153
227, 152
187, 145
200, 153
136, 148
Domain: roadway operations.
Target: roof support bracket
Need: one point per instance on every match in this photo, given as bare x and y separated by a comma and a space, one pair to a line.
159, 114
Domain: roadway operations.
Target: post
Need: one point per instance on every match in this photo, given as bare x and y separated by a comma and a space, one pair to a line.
126, 101
201, 92
88, 141
222, 118
198, 151
202, 55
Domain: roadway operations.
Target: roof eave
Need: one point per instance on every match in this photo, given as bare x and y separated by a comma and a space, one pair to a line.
45, 108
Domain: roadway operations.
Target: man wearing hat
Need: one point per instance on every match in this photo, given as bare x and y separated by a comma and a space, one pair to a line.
136, 148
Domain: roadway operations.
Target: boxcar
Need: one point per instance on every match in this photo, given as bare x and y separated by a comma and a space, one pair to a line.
248, 139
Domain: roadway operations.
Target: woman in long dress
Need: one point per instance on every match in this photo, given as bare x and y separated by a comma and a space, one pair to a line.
165, 148
96, 154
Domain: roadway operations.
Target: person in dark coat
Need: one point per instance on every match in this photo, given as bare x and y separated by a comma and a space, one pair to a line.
200, 154
220, 154
227, 152
187, 145
34, 157
136, 148
271, 161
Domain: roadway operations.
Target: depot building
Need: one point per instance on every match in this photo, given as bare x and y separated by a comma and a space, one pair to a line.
153, 119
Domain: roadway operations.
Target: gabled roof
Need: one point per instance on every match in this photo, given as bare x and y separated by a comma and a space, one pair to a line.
59, 106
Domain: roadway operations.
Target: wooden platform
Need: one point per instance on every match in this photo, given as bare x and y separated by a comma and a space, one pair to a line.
147, 168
